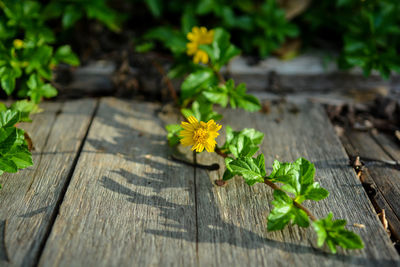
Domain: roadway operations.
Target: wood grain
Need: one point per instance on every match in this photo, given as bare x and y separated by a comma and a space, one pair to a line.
232, 219
127, 204
28, 200
380, 155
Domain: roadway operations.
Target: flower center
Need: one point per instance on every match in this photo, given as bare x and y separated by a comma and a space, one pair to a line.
200, 135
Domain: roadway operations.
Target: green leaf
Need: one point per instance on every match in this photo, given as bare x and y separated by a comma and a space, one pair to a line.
3, 107
239, 98
48, 91
155, 7
202, 110
173, 134
228, 173
64, 54
198, 80
298, 179
71, 15
26, 108
333, 233
221, 51
21, 157
255, 136
252, 169
8, 83
243, 143
9, 118
7, 165
285, 212
33, 82
317, 193
217, 95
243, 147
8, 137
172, 39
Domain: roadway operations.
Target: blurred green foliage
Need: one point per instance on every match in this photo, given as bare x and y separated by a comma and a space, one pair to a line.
27, 44
366, 32
260, 25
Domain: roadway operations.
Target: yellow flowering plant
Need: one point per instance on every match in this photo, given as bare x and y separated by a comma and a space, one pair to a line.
206, 87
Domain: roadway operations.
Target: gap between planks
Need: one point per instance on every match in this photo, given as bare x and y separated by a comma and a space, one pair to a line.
29, 198
64, 189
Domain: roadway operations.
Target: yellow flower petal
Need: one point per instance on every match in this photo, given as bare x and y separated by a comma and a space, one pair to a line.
197, 37
199, 135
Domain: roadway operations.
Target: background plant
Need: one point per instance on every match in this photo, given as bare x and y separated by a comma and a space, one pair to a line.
28, 50
28, 54
368, 31
365, 33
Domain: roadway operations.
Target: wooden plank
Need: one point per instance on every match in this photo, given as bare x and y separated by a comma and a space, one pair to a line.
127, 204
232, 219
384, 177
29, 199
305, 73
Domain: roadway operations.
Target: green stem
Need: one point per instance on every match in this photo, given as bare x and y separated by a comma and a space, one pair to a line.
298, 205
219, 75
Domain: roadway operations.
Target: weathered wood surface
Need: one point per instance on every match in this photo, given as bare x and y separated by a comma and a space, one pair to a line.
129, 204
235, 232
382, 171
124, 195
29, 199
305, 73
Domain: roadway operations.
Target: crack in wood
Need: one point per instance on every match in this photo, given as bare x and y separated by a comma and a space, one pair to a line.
57, 113
60, 199
3, 247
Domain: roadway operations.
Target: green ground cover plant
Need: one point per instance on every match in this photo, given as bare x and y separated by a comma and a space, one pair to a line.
28, 54
293, 182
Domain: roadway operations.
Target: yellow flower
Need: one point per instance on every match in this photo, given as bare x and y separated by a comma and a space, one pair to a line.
18, 44
199, 135
197, 37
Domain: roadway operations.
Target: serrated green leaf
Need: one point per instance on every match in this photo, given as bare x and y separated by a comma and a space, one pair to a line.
298, 179
216, 95
8, 136
285, 212
239, 98
26, 108
9, 118
243, 143
252, 169
316, 193
333, 233
196, 81
21, 157
7, 165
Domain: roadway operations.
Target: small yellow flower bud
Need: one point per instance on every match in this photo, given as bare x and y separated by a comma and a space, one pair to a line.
18, 44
